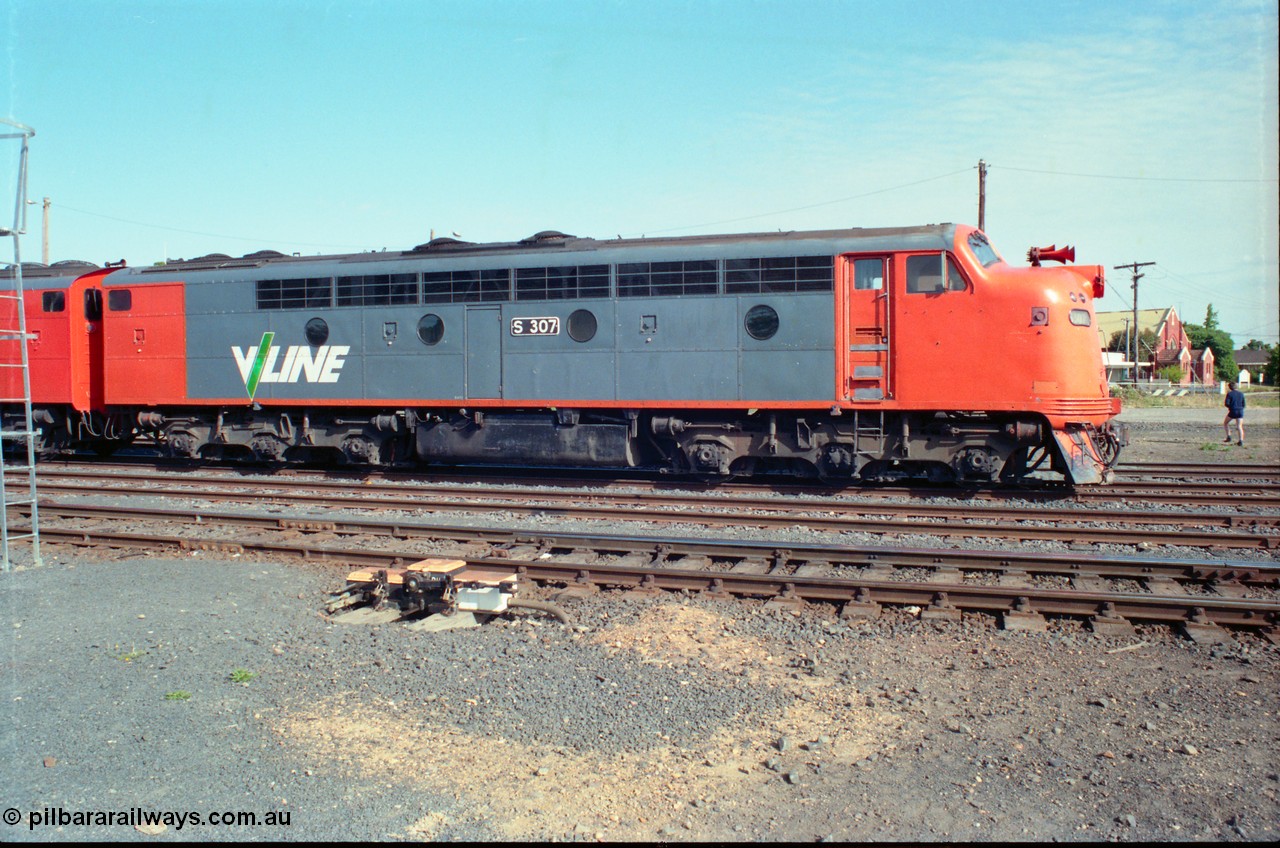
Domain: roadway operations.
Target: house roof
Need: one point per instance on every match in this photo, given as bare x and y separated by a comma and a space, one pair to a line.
1249, 356
1169, 357
1110, 323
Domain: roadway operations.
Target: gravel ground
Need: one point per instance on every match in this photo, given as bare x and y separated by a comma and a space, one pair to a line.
1195, 435
664, 719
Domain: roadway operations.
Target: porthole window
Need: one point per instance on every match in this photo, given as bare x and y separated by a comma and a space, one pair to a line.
582, 325
317, 331
762, 322
431, 329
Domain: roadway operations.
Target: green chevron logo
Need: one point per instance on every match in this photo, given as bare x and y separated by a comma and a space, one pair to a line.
255, 373
266, 363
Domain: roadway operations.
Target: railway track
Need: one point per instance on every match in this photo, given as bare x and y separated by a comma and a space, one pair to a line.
1110, 593
1195, 484
1197, 469
1019, 522
1019, 586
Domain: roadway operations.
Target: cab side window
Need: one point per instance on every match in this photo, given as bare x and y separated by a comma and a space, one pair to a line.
925, 275
868, 274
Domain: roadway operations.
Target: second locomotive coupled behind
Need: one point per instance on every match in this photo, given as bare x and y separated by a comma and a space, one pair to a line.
860, 354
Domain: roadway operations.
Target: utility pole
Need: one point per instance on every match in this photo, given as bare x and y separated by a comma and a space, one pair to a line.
1134, 266
1133, 362
982, 195
44, 233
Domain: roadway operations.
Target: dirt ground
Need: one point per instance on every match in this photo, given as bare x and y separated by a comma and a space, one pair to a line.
667, 719
1196, 435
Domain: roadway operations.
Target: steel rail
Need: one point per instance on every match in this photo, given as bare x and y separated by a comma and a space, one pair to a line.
1202, 469
624, 508
1254, 494
1262, 573
692, 499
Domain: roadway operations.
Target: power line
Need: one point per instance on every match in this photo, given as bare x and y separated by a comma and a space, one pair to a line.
1142, 179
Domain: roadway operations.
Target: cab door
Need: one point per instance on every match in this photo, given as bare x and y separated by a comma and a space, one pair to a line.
864, 281
84, 307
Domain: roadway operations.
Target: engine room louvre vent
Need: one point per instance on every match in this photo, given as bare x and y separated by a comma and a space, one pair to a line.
442, 243
547, 237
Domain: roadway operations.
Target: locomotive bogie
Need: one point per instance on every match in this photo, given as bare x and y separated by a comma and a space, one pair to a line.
282, 436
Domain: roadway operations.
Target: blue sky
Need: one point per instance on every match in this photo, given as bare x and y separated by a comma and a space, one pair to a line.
1141, 131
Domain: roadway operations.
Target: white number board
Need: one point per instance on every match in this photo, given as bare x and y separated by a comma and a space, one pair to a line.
535, 326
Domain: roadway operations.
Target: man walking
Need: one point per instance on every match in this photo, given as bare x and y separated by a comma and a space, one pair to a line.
1235, 412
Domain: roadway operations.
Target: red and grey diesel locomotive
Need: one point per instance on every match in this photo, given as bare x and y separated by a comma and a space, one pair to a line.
857, 354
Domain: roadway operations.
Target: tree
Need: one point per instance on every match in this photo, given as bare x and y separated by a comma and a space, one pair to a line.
1273, 366
1220, 342
1254, 344
1211, 319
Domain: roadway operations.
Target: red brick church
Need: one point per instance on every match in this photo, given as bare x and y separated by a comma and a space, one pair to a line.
1172, 345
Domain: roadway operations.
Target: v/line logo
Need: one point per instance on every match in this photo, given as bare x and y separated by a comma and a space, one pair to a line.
316, 365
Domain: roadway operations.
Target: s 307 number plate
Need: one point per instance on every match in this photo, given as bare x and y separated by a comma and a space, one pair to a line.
535, 326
